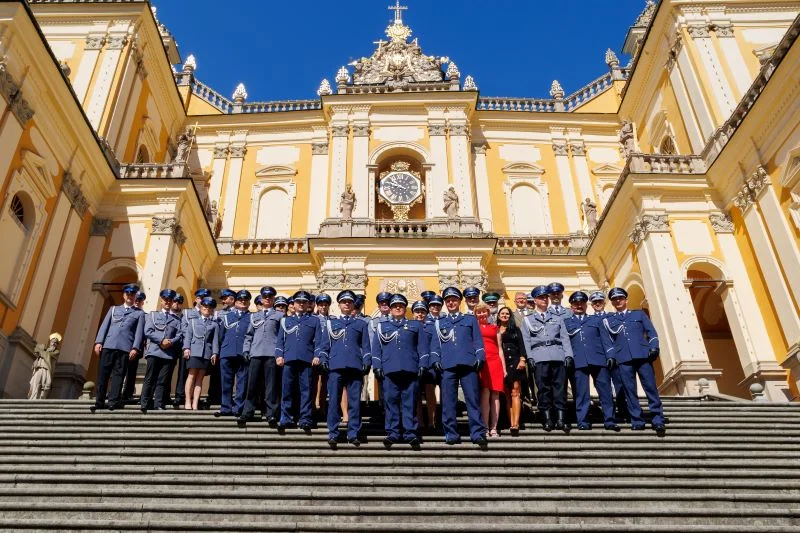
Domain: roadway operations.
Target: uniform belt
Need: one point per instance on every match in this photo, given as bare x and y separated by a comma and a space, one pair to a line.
545, 343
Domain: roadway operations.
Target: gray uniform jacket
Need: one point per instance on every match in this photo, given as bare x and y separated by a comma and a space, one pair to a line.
561, 312
262, 334
122, 329
201, 337
160, 326
546, 340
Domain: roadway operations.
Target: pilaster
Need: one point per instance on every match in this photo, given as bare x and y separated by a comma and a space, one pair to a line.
437, 180
460, 163
360, 172
711, 64
102, 86
733, 56
482, 185
237, 151
340, 134
571, 203
319, 180
87, 65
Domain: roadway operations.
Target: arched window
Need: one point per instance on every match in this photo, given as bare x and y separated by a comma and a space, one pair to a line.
668, 146
18, 209
274, 215
527, 214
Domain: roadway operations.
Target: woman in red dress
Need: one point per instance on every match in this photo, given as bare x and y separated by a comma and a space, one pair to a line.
493, 373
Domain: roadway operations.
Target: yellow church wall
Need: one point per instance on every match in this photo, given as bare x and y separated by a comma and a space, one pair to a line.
114, 91
198, 107
303, 187
608, 102
137, 124
500, 217
556, 202
73, 274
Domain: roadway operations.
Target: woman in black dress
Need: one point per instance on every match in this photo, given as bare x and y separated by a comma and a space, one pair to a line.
515, 358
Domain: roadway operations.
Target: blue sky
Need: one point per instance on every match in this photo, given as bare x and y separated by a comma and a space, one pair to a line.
282, 50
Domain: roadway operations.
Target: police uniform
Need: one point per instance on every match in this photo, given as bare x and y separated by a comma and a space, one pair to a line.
160, 326
259, 348
637, 348
178, 363
121, 332
347, 362
215, 372
547, 344
617, 388
372, 382
233, 367
202, 338
319, 379
492, 299
593, 355
471, 292
457, 352
300, 341
399, 356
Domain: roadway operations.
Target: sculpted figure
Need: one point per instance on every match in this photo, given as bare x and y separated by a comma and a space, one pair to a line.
184, 142
451, 202
43, 365
590, 214
626, 138
348, 203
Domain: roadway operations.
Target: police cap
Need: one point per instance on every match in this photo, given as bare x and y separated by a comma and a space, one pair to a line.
419, 306
346, 296
578, 296
383, 297
539, 291
471, 292
617, 292
302, 296
322, 299
202, 293
208, 301
167, 294
427, 295
555, 287
268, 292
597, 296
244, 295
398, 299
453, 291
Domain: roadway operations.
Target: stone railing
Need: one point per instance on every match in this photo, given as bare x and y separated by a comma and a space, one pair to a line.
543, 245
666, 164
154, 171
262, 246
281, 106
209, 95
228, 106
382, 89
589, 92
530, 105
433, 228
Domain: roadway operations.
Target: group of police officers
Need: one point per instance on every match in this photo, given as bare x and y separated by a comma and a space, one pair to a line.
269, 359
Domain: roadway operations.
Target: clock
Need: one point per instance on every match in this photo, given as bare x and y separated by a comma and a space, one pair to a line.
400, 188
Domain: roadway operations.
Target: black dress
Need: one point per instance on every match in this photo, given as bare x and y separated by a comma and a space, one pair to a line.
513, 349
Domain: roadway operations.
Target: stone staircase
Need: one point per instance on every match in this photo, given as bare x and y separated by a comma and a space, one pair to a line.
723, 467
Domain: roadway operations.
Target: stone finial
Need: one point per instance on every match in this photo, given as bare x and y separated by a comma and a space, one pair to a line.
556, 91
190, 65
757, 392
240, 94
646, 16
324, 88
611, 59
154, 9
343, 76
469, 84
452, 71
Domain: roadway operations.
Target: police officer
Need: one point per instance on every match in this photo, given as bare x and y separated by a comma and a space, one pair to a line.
201, 349
400, 358
382, 299
435, 307
548, 346
132, 365
319, 384
492, 299
257, 302
555, 292
118, 340
178, 362
346, 363
300, 345
472, 297
233, 367
457, 353
637, 349
281, 304
593, 352
429, 378
359, 308
420, 310
259, 349
163, 329
227, 299
426, 296
597, 299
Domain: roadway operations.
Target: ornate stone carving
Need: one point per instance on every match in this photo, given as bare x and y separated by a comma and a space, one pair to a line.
437, 130
611, 59
164, 225
556, 91
179, 236
721, 223
190, 65
560, 148
342, 130
410, 288
101, 227
452, 72
21, 109
347, 203
355, 281
117, 42
459, 130
238, 151
185, 140
647, 224
240, 94
480, 148
448, 280
221, 151
758, 182
451, 202
319, 148
343, 76
627, 139
361, 130
646, 16
673, 53
723, 30
329, 281
95, 42
469, 84
578, 148
479, 280
743, 199
43, 367
590, 214
72, 190
698, 31
325, 88
9, 89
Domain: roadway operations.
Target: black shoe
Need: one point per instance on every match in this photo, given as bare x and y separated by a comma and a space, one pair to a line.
514, 432
584, 427
111, 407
143, 410
387, 442
452, 442
333, 444
272, 422
241, 422
612, 427
415, 443
547, 423
560, 425
660, 429
94, 408
637, 428
282, 429
355, 442
305, 428
481, 442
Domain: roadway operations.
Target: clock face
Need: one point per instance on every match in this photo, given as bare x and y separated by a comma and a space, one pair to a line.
400, 188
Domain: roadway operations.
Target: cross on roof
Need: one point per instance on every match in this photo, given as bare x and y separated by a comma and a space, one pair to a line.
398, 12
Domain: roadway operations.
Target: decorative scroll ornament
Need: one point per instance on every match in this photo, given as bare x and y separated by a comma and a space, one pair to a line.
479, 280
408, 288
398, 62
448, 280
647, 224
721, 223
329, 281
164, 225
356, 281
72, 190
101, 227
319, 148
646, 16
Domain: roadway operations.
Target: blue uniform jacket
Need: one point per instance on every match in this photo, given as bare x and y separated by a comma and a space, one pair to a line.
301, 339
201, 337
591, 341
233, 328
122, 329
160, 326
261, 338
633, 334
350, 346
546, 339
456, 341
399, 346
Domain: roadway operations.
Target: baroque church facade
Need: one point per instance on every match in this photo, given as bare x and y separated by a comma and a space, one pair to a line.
676, 176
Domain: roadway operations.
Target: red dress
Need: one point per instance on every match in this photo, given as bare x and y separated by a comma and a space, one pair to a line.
492, 372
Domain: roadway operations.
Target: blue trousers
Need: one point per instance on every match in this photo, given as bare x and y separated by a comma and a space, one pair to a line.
400, 391
644, 369
296, 374
602, 382
233, 370
620, 400
338, 380
470, 384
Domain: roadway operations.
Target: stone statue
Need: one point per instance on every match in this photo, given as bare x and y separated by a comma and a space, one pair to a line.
43, 365
626, 138
590, 214
451, 202
348, 203
184, 143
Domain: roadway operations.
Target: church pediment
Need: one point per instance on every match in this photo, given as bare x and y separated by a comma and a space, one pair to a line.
523, 169
276, 171
607, 170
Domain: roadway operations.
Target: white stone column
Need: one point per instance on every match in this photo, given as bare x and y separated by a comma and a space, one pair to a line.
733, 56
87, 65
218, 172
129, 91
683, 355
10, 135
437, 178
237, 152
102, 86
713, 67
460, 163
578, 150
360, 172
696, 97
571, 203
340, 133
684, 105
165, 234
482, 186
319, 182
